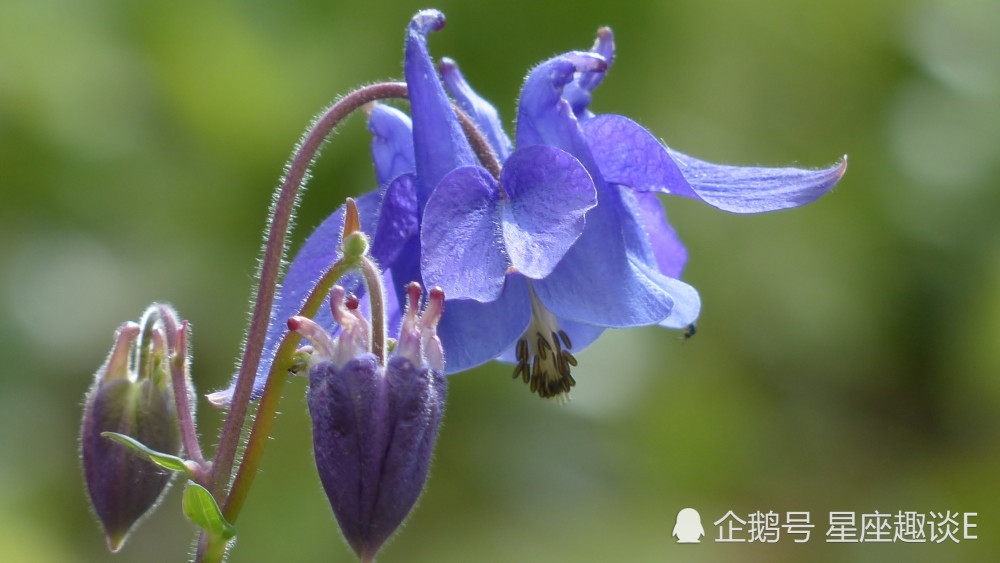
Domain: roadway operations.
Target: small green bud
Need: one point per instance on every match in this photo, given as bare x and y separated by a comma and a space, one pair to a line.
356, 244
353, 241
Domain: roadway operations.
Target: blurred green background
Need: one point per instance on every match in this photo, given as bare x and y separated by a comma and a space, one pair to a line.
848, 354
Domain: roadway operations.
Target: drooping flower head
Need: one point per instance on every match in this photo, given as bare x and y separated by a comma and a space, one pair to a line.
374, 423
568, 239
622, 269
548, 302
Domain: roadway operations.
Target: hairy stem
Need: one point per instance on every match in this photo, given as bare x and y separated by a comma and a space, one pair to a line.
274, 250
282, 208
275, 247
283, 361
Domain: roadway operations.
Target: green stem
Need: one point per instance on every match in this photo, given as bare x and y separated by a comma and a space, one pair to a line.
283, 361
281, 211
273, 252
212, 550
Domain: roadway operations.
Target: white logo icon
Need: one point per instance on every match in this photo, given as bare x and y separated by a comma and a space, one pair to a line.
688, 528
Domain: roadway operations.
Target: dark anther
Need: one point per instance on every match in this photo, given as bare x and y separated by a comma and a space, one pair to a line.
543, 346
561, 365
555, 340
549, 376
569, 358
565, 338
521, 366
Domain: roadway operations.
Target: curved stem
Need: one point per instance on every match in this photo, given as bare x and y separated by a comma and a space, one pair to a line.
274, 250
283, 361
275, 247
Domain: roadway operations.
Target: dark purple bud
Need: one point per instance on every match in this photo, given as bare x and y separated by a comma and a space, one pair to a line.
132, 394
374, 426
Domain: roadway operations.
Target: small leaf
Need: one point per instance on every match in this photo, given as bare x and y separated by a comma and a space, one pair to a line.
166, 461
200, 507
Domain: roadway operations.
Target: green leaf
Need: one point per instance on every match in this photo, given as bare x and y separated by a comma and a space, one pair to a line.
200, 507
166, 461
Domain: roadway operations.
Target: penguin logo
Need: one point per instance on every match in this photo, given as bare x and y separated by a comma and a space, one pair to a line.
688, 528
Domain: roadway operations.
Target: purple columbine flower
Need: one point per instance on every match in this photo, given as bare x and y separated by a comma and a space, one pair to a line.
568, 240
529, 306
622, 270
374, 424
596, 283
489, 240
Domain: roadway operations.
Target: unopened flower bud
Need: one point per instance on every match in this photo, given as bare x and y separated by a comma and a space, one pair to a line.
132, 394
374, 425
354, 242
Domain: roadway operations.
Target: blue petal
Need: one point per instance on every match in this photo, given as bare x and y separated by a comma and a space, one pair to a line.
392, 308
474, 333
596, 282
653, 246
460, 248
548, 194
671, 255
577, 92
687, 302
628, 154
483, 114
406, 269
543, 116
397, 220
439, 143
747, 189
654, 238
392, 143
